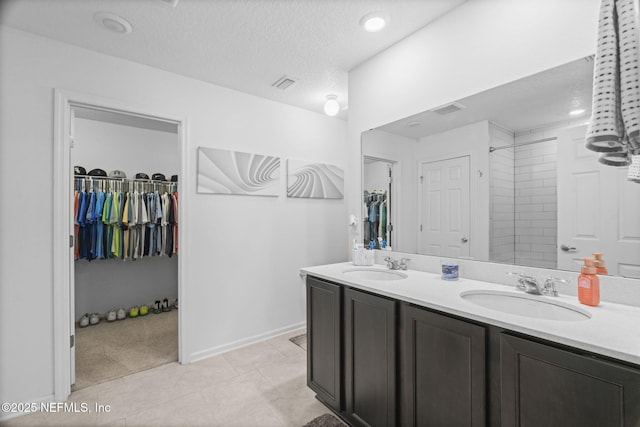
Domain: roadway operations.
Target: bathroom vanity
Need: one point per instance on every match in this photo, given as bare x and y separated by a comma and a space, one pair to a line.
406, 348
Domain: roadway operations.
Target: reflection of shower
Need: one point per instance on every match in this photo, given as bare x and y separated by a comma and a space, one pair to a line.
523, 203
537, 141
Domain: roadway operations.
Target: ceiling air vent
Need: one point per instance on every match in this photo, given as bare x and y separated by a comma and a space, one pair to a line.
452, 107
284, 82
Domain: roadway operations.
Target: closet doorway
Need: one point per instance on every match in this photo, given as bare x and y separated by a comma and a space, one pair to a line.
378, 202
117, 284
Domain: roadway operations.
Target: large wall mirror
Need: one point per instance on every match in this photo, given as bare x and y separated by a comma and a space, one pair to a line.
503, 176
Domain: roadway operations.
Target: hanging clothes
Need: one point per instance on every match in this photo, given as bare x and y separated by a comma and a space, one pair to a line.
375, 214
113, 224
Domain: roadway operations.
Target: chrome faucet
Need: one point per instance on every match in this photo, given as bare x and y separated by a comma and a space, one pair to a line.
527, 284
394, 264
530, 285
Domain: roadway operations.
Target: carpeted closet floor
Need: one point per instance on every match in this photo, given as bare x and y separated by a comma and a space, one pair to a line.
111, 350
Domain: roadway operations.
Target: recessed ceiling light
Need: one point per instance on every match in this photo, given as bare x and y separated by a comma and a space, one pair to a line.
112, 22
414, 123
374, 21
576, 112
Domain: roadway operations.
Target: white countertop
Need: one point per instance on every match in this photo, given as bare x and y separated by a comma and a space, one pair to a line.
613, 329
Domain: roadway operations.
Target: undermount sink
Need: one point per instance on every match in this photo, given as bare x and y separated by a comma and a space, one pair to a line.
374, 274
535, 306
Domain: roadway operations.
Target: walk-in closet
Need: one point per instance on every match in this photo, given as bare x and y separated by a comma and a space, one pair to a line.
376, 199
124, 283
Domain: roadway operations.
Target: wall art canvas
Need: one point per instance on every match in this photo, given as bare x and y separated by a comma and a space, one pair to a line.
235, 172
314, 180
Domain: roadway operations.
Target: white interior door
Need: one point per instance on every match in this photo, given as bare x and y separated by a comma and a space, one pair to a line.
444, 225
597, 209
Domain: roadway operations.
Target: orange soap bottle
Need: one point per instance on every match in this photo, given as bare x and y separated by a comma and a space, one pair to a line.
588, 283
601, 267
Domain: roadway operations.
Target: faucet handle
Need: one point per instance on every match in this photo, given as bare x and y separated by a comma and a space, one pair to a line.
521, 279
403, 263
392, 264
550, 285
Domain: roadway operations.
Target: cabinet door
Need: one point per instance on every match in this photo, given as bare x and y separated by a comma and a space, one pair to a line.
546, 386
324, 369
370, 361
442, 371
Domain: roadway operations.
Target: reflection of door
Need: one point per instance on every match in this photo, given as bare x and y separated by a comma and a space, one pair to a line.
597, 209
444, 228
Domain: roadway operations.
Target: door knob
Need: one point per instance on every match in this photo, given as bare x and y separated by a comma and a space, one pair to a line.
464, 240
567, 248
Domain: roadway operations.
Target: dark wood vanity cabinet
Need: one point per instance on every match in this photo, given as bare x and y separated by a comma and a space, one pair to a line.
351, 345
442, 370
546, 386
380, 362
370, 359
324, 342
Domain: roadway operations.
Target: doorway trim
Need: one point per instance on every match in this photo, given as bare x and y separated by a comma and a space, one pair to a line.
64, 102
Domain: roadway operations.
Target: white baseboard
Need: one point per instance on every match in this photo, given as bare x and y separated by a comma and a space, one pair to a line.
204, 354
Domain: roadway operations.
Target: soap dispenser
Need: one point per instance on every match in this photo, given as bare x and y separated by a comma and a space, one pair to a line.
588, 283
601, 267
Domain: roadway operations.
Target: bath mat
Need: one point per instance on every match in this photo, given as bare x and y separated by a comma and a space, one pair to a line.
300, 341
325, 420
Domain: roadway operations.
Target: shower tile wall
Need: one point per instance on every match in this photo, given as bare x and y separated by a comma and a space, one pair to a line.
535, 202
502, 220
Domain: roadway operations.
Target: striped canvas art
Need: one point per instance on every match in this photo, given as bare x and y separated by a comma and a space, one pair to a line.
235, 172
314, 180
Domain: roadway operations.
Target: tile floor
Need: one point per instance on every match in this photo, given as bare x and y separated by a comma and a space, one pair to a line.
263, 384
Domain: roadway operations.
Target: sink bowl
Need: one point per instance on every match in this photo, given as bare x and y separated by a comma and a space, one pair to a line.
535, 306
374, 274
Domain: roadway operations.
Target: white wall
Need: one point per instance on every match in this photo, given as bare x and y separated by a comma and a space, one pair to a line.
110, 146
101, 285
243, 252
479, 45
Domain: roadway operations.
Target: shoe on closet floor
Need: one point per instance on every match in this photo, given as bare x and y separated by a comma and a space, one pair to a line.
144, 310
94, 319
111, 315
165, 305
157, 307
84, 320
134, 311
175, 304
122, 314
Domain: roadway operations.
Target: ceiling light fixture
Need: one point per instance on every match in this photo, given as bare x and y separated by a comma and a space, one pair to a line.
374, 21
112, 22
414, 123
576, 112
331, 105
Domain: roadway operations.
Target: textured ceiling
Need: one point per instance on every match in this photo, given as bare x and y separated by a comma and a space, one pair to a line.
241, 44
